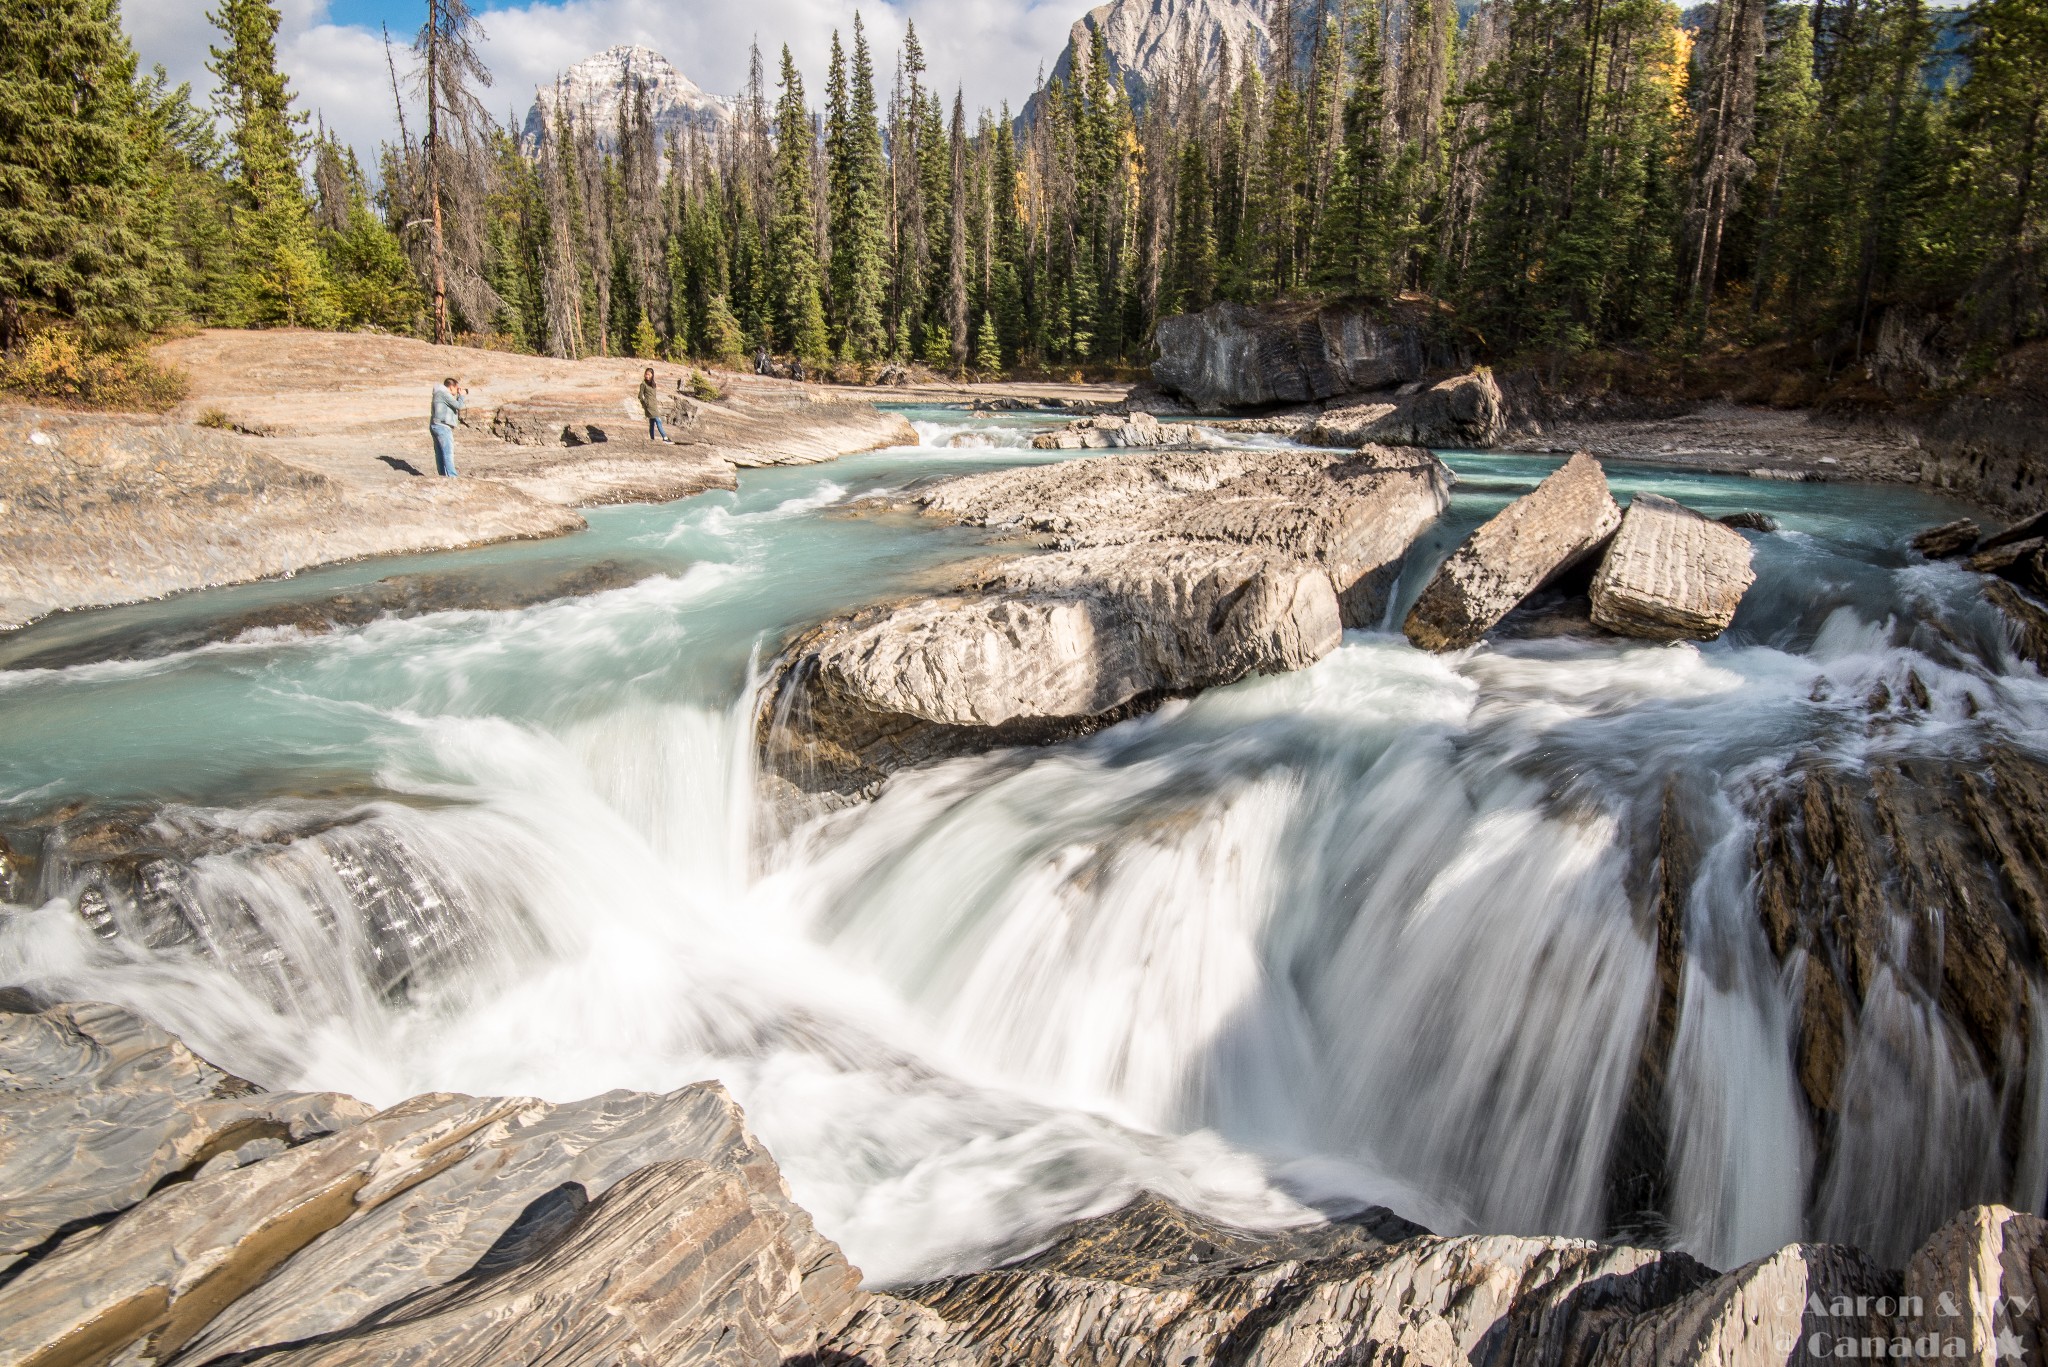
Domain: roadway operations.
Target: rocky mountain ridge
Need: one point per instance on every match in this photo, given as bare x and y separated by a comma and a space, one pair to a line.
595, 92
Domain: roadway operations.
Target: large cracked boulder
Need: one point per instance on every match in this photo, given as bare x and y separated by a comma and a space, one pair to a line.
1239, 356
1537, 537
1174, 573
1465, 412
1671, 575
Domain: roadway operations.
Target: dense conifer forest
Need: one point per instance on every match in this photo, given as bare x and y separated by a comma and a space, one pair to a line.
1542, 175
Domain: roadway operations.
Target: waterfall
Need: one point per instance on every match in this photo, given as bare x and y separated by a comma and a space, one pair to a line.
1378, 932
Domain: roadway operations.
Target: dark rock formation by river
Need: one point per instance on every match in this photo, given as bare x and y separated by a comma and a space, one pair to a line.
160, 1211
1172, 573
1237, 356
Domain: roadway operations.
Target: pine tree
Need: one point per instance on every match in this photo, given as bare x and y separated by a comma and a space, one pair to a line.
1999, 172
282, 274
799, 311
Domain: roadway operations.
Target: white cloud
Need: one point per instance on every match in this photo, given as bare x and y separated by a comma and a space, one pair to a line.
994, 48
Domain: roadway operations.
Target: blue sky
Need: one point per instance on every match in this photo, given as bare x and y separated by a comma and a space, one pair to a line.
334, 55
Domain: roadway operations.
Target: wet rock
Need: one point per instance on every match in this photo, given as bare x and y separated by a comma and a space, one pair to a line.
2027, 619
1916, 882
2023, 562
2028, 529
1109, 432
630, 1227
1545, 532
1670, 574
1237, 356
1176, 573
1464, 412
1949, 539
1749, 521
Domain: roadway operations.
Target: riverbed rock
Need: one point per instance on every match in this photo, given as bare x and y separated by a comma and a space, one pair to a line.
1670, 574
1112, 432
1918, 883
1949, 539
1464, 412
1173, 572
1239, 356
629, 1227
1540, 535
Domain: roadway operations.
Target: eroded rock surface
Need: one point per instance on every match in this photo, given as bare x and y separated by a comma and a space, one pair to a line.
1548, 530
1237, 356
1671, 574
1465, 412
1175, 573
447, 1229
1112, 432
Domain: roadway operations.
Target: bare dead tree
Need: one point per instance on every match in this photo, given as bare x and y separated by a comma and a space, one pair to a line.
1727, 122
451, 74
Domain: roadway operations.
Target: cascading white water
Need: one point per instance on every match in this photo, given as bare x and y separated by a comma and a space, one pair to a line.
1362, 934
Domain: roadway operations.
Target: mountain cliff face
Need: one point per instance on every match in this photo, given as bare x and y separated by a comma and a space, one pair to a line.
1145, 40
593, 93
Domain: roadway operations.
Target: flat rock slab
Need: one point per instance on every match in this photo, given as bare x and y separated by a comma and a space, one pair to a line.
1542, 533
1671, 575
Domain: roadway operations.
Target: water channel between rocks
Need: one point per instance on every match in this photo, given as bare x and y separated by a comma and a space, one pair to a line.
1372, 933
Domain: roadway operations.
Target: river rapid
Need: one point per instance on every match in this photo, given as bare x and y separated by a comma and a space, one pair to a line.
1370, 933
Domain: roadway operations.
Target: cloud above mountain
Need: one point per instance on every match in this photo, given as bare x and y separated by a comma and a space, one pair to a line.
995, 48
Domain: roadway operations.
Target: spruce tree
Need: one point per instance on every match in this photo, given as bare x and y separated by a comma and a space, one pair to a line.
71, 171
859, 271
799, 311
282, 275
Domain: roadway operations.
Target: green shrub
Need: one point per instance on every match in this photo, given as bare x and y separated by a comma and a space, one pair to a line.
702, 387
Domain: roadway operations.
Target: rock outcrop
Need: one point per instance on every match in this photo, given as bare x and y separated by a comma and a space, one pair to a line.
1950, 538
1174, 573
1670, 574
159, 1211
1464, 412
1545, 532
1236, 356
1111, 432
103, 511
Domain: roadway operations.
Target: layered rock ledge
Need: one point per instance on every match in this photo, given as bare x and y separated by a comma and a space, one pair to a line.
160, 1211
1671, 574
1171, 573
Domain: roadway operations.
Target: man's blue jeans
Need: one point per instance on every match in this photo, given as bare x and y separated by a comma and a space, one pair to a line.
444, 446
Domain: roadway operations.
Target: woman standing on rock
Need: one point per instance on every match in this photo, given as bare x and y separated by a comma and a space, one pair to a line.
450, 398
650, 404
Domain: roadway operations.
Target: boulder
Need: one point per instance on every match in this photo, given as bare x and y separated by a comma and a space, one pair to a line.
1949, 539
1238, 356
1670, 574
1111, 432
630, 1227
1464, 412
1173, 573
1540, 535
2028, 529
1990, 1264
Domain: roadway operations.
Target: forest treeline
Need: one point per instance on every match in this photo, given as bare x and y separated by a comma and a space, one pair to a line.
1555, 174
